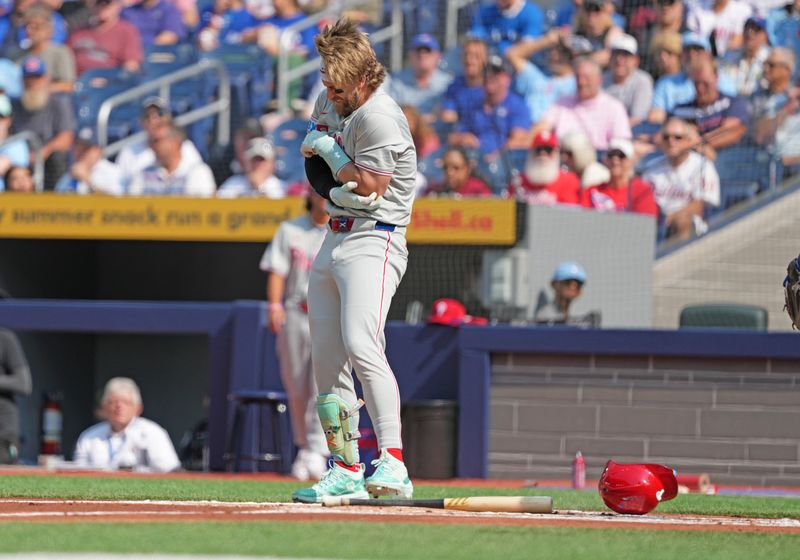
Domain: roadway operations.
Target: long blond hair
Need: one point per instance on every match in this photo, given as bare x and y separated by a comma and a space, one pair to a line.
348, 56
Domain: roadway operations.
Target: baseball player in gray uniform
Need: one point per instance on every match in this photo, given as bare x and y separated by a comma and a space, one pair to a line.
363, 136
288, 260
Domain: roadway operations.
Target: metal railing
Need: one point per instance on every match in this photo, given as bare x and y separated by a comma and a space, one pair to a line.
35, 146
451, 21
285, 75
162, 85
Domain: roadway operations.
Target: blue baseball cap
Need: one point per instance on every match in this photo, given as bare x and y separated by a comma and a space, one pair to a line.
33, 66
759, 22
691, 39
425, 41
569, 270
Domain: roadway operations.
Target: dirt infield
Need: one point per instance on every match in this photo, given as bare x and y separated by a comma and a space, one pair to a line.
36, 510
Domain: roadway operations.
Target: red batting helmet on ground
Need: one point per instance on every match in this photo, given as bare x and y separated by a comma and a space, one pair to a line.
636, 488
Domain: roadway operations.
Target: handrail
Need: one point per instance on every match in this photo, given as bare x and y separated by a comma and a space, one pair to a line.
451, 21
162, 84
285, 75
35, 145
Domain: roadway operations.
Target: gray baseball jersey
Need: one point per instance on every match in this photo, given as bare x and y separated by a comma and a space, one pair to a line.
376, 137
291, 253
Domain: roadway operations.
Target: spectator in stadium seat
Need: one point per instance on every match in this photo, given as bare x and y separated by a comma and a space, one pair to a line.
49, 116
595, 22
125, 440
224, 23
90, 172
422, 84
745, 66
721, 119
623, 192
670, 19
685, 183
426, 141
249, 129
14, 35
159, 22
19, 179
14, 153
506, 22
137, 156
543, 180
624, 80
465, 93
567, 282
58, 59
774, 107
502, 123
459, 177
721, 21
541, 89
579, 156
259, 178
110, 42
675, 88
172, 174
268, 30
591, 110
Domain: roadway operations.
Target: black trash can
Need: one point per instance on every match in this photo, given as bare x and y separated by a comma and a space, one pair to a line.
429, 438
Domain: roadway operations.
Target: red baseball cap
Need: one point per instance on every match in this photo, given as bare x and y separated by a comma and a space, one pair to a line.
545, 138
451, 312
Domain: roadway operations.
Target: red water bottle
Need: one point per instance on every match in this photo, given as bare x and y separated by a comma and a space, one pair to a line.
51, 424
578, 471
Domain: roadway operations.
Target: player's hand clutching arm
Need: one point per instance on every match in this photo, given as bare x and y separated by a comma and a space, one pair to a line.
345, 197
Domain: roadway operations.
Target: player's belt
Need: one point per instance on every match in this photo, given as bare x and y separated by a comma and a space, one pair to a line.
343, 224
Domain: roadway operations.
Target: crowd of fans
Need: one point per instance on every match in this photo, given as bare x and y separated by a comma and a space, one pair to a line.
615, 105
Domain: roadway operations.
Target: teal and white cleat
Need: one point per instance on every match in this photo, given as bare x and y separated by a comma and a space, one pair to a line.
390, 478
337, 481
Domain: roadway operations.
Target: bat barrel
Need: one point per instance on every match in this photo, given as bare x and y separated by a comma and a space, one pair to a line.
498, 504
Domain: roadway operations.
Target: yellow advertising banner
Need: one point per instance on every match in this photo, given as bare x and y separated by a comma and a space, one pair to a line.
67, 216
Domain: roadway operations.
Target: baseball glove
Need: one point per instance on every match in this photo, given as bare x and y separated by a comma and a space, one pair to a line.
320, 176
791, 286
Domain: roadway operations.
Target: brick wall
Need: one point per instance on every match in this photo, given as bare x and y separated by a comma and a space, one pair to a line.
736, 419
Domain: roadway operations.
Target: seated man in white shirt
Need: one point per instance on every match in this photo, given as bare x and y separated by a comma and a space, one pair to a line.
125, 440
172, 174
136, 156
259, 177
685, 182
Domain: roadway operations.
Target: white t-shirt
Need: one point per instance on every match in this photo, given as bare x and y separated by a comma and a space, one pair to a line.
138, 156
238, 186
675, 187
105, 177
190, 178
730, 21
143, 446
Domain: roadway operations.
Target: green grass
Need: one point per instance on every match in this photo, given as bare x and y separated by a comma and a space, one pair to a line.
378, 540
390, 541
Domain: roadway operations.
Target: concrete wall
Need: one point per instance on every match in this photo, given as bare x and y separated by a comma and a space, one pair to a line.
736, 419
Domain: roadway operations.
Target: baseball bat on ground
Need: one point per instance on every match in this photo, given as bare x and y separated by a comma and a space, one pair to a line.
497, 504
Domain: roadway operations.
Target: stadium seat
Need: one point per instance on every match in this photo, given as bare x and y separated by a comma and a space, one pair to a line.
287, 139
724, 315
746, 163
93, 87
645, 128
432, 166
179, 54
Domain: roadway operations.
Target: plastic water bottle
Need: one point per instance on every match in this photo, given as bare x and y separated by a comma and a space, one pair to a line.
578, 471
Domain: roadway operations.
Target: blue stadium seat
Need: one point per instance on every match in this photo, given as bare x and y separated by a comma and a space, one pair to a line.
745, 163
517, 158
432, 166
287, 138
93, 87
495, 172
645, 128
178, 55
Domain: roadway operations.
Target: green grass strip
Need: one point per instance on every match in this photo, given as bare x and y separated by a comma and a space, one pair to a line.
348, 540
109, 488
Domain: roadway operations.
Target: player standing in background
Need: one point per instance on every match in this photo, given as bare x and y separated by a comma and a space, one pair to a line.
363, 136
288, 260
